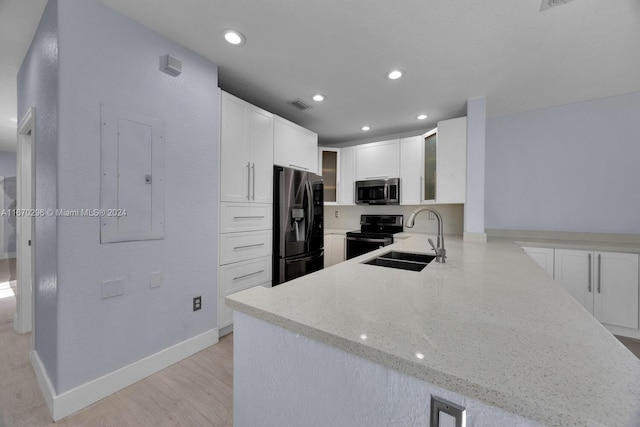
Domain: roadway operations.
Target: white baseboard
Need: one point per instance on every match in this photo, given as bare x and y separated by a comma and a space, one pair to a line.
625, 332
474, 237
64, 404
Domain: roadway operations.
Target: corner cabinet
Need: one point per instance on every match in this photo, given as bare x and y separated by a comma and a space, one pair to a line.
246, 152
433, 166
605, 283
294, 146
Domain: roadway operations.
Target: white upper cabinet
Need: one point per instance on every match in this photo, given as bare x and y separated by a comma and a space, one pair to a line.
294, 146
451, 170
347, 176
329, 169
378, 160
411, 179
246, 152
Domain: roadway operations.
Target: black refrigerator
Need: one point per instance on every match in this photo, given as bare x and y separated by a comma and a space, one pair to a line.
298, 231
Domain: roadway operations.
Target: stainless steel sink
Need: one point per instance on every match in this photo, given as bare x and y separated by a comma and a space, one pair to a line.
402, 260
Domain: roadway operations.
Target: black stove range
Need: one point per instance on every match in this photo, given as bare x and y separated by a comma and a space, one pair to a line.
375, 232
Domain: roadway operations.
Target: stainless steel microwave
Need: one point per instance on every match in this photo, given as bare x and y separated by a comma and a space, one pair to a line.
378, 192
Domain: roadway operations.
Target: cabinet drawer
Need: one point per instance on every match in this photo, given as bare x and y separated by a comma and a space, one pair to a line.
245, 274
244, 217
243, 246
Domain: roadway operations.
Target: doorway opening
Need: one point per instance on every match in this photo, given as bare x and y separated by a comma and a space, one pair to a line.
25, 224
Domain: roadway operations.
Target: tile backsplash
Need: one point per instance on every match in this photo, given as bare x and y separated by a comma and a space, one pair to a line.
349, 217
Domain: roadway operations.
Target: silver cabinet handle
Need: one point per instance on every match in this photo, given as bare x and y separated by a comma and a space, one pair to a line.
249, 217
589, 273
248, 246
247, 275
248, 179
253, 171
298, 166
599, 271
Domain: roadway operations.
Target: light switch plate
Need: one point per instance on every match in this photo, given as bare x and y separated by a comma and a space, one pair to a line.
112, 288
155, 279
447, 414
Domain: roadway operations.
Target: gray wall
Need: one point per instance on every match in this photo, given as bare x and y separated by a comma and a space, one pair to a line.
7, 163
566, 168
106, 58
38, 87
8, 186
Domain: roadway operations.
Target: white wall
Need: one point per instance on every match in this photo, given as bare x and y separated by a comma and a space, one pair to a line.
566, 168
285, 379
349, 217
106, 58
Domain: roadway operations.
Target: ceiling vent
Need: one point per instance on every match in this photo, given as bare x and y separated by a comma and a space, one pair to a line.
299, 104
548, 4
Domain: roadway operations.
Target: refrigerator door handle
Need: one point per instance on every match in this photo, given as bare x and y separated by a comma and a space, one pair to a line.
307, 258
310, 211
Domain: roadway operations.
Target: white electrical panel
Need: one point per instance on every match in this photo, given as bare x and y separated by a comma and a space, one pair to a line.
132, 177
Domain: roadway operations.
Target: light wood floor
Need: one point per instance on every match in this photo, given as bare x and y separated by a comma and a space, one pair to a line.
194, 392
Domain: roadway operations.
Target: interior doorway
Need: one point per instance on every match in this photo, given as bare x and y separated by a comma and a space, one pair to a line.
25, 222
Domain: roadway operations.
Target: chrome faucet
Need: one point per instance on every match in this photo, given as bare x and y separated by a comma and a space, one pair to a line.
441, 253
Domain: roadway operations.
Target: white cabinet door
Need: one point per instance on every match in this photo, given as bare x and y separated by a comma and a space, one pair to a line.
260, 135
235, 164
543, 257
378, 160
451, 171
295, 146
347, 176
616, 289
411, 165
328, 254
338, 248
573, 270
246, 152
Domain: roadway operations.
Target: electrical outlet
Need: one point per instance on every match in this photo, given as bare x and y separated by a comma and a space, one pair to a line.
197, 303
337, 215
447, 414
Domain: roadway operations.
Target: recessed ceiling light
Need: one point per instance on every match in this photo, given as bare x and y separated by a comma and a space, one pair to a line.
421, 117
394, 74
420, 355
366, 128
234, 37
318, 97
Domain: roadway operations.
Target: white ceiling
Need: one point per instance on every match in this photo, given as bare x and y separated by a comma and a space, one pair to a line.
509, 51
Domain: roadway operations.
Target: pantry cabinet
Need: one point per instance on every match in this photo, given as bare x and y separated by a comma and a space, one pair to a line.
294, 146
246, 152
605, 283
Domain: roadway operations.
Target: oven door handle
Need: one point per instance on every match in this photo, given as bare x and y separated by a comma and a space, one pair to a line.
369, 240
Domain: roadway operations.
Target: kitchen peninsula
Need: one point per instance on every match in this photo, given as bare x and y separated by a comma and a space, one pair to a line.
358, 344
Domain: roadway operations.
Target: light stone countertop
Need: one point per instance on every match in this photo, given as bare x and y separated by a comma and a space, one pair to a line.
490, 323
337, 231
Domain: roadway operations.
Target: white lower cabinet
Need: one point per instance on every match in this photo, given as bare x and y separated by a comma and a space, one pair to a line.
605, 283
237, 277
334, 249
542, 256
244, 255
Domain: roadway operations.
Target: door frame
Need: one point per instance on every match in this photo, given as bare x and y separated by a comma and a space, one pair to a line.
25, 314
